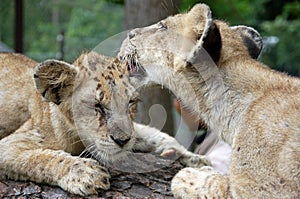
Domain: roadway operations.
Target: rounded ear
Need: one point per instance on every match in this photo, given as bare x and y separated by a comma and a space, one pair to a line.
200, 16
251, 39
209, 37
55, 79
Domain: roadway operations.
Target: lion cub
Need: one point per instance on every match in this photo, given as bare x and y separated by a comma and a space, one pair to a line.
212, 68
55, 111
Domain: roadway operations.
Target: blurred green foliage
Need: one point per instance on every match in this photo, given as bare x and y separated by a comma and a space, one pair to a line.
233, 11
285, 55
87, 23
84, 23
7, 22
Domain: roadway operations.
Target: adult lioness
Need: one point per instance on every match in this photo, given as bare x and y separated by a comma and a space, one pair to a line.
55, 111
253, 108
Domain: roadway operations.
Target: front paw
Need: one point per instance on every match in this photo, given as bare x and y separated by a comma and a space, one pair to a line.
186, 158
85, 177
194, 160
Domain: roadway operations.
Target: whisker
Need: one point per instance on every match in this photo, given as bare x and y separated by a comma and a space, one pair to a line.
86, 150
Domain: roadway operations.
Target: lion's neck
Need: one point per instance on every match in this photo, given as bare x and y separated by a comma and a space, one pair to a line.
240, 83
197, 91
219, 97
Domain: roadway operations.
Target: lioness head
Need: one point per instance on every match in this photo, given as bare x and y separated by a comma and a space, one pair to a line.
95, 98
179, 41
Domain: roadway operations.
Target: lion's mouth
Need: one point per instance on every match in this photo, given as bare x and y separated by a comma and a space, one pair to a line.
106, 155
133, 65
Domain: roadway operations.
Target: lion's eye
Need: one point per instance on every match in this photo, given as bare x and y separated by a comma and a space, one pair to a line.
162, 26
134, 101
100, 109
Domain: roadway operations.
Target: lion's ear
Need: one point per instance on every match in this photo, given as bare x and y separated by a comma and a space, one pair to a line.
55, 80
251, 39
208, 35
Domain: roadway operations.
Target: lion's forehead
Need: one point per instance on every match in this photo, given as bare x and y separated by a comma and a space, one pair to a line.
113, 82
109, 75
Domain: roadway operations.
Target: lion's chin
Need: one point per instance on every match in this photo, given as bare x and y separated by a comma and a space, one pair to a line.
107, 157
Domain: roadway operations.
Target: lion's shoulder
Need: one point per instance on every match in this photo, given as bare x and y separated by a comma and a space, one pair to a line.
16, 60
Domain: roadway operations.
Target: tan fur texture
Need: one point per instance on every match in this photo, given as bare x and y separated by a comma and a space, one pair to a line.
54, 111
39, 147
212, 68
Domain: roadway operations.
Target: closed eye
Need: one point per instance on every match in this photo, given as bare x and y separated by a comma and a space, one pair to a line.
94, 105
100, 109
134, 101
162, 26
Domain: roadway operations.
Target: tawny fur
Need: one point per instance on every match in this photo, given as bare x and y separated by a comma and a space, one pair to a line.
53, 111
253, 108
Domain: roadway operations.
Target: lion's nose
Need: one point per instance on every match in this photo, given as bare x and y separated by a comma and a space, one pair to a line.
120, 141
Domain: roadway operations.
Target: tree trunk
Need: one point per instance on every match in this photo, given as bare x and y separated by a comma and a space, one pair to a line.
140, 13
19, 26
154, 184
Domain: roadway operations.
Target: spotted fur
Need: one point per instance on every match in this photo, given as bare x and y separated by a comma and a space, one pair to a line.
53, 112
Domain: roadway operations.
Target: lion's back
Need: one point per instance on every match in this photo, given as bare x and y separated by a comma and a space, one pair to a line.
267, 148
16, 87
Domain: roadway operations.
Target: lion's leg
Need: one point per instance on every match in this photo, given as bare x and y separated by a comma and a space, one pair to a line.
200, 183
22, 157
151, 139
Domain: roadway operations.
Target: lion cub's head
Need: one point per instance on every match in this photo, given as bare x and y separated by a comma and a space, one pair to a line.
95, 98
184, 39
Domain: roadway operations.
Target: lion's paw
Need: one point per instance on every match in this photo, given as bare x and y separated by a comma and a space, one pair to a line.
194, 160
200, 183
187, 158
188, 182
184, 184
85, 177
